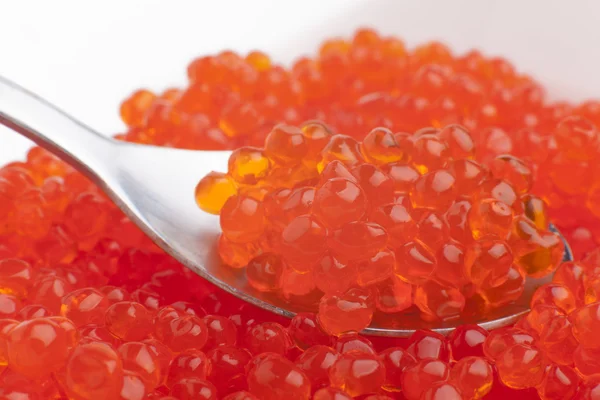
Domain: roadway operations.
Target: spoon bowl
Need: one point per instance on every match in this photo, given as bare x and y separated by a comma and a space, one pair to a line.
154, 186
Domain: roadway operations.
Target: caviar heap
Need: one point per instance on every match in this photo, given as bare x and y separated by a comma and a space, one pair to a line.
373, 81
91, 309
382, 223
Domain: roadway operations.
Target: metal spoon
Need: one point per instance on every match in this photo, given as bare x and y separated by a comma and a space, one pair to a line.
154, 187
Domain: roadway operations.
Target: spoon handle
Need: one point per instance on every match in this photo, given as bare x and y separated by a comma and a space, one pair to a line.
54, 130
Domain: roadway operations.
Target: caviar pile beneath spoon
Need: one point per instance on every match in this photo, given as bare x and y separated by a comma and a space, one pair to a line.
89, 279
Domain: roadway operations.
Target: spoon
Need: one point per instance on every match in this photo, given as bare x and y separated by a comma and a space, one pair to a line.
154, 186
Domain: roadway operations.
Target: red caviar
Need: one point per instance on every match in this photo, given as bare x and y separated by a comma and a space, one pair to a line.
369, 212
344, 221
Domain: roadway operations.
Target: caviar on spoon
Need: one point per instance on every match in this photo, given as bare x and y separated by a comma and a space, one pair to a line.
154, 186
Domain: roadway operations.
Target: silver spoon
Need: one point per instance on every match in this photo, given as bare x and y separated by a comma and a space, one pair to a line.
154, 187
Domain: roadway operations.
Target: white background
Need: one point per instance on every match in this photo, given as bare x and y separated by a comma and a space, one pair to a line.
86, 56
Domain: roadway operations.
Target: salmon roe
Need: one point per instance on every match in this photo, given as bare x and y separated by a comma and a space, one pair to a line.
382, 237
369, 215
